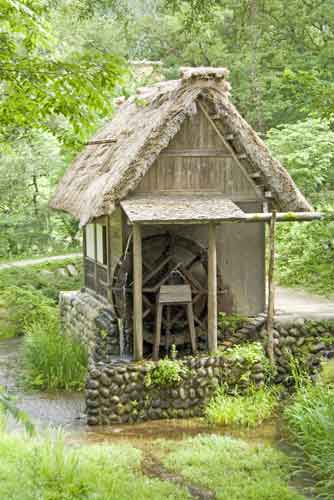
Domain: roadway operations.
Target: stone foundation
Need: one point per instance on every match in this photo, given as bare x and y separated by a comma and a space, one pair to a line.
90, 319
119, 392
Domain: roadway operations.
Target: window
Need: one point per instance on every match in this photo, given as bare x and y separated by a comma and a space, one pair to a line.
90, 241
98, 231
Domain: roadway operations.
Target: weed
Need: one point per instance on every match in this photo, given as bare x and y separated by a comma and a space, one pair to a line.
166, 373
52, 360
248, 410
231, 322
232, 468
310, 424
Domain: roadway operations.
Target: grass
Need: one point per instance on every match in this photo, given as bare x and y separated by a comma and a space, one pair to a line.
232, 468
25, 289
53, 361
247, 410
310, 425
48, 469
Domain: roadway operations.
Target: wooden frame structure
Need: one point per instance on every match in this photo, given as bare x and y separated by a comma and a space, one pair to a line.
141, 219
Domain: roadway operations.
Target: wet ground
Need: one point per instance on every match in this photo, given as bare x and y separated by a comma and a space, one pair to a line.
56, 409
66, 410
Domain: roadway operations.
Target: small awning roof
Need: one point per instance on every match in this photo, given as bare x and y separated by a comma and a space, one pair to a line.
181, 209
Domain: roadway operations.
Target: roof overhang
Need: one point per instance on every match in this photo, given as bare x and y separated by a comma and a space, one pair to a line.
198, 209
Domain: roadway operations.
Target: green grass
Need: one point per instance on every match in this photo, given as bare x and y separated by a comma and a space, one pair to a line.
310, 425
232, 468
247, 410
53, 361
47, 469
25, 289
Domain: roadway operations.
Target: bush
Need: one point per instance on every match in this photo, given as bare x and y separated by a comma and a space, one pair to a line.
246, 410
24, 306
305, 255
51, 360
310, 425
166, 373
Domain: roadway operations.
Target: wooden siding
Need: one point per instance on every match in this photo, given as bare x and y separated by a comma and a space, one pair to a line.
197, 161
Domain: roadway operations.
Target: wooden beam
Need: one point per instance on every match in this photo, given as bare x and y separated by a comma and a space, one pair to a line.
212, 289
247, 217
137, 294
271, 289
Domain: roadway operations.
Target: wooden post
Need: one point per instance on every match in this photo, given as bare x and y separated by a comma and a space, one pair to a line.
212, 288
137, 294
271, 288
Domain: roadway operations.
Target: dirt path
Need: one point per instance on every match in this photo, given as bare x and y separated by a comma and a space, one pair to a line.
42, 260
295, 302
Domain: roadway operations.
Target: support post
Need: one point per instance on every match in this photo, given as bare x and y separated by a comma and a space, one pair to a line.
271, 288
137, 294
212, 288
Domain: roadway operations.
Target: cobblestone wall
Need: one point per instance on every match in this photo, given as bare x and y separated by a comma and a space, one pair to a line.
89, 319
118, 392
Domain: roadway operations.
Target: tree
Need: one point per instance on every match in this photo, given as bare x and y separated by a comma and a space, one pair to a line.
40, 81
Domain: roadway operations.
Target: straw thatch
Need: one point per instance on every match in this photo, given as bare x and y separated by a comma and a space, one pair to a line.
117, 158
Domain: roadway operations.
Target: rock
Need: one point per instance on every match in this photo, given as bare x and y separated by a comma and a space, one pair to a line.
182, 393
258, 377
71, 269
105, 380
62, 272
300, 341
92, 384
105, 392
92, 394
317, 347
92, 420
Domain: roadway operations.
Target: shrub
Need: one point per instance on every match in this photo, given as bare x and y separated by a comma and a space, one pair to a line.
248, 410
310, 425
166, 373
25, 306
51, 360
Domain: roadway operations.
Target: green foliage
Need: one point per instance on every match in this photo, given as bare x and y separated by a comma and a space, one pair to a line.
42, 277
231, 322
232, 468
310, 424
305, 255
306, 149
25, 306
242, 410
8, 407
47, 468
250, 353
166, 373
42, 78
51, 360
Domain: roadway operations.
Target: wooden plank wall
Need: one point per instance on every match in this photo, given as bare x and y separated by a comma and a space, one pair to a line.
197, 161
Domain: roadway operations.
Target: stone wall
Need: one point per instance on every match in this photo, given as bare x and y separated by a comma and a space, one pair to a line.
309, 342
118, 392
89, 319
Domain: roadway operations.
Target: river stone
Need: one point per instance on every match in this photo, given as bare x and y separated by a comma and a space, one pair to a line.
115, 399
92, 420
92, 384
92, 403
105, 392
92, 394
317, 347
105, 380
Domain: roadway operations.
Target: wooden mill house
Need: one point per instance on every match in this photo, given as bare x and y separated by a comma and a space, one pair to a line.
173, 195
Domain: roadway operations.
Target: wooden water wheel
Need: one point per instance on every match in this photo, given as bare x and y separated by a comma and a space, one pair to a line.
167, 259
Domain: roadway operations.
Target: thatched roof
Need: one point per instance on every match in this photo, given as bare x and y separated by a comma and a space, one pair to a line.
117, 158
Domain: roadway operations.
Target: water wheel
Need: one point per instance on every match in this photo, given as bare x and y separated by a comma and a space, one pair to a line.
167, 259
